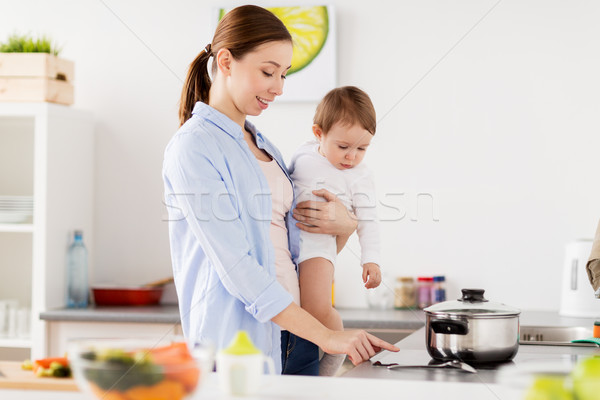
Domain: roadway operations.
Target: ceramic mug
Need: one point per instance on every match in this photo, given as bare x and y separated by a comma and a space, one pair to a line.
242, 374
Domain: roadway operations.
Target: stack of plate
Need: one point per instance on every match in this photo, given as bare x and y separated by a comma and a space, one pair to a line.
15, 209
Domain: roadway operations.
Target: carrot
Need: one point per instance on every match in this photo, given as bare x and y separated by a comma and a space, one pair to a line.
106, 395
164, 390
45, 362
179, 364
175, 351
188, 377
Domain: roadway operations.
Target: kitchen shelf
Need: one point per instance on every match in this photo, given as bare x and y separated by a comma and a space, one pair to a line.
16, 228
16, 343
46, 151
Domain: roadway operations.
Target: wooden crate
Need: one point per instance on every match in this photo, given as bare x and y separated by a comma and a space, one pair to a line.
36, 77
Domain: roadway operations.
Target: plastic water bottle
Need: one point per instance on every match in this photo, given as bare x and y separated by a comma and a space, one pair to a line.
77, 273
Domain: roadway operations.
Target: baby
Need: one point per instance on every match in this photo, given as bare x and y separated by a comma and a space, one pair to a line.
344, 125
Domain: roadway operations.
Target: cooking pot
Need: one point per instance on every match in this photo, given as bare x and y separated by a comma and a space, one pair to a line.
472, 329
145, 295
126, 296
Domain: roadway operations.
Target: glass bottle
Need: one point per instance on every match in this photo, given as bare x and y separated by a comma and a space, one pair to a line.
424, 291
77, 273
438, 290
405, 293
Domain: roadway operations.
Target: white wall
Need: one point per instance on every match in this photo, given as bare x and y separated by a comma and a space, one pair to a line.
497, 119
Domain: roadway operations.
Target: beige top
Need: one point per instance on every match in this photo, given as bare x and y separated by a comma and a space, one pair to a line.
282, 196
593, 265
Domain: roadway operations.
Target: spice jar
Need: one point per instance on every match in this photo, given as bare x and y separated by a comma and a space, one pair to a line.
405, 293
438, 290
424, 284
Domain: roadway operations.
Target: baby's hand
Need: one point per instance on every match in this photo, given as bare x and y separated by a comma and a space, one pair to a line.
371, 273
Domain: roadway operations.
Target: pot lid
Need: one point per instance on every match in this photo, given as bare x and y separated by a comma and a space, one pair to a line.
472, 303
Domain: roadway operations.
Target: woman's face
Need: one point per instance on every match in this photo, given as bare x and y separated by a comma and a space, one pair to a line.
257, 78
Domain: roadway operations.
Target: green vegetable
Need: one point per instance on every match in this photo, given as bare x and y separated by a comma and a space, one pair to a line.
89, 355
586, 378
115, 369
27, 44
27, 365
115, 355
548, 387
58, 370
43, 372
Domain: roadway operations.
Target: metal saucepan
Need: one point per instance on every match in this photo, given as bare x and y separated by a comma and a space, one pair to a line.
472, 329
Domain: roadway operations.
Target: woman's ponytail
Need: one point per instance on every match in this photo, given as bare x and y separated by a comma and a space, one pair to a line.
196, 86
240, 31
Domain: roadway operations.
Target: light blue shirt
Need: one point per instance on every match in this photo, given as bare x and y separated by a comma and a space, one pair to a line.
219, 208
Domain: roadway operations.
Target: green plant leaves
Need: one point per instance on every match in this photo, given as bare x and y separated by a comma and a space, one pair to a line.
28, 44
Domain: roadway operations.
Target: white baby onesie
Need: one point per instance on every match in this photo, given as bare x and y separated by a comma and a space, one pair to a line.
354, 187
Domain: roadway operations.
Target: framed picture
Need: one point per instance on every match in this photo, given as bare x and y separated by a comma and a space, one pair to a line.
313, 31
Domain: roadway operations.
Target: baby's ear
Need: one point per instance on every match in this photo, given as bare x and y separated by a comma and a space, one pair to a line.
317, 131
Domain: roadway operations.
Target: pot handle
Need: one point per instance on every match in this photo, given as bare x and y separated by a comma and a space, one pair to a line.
449, 326
473, 295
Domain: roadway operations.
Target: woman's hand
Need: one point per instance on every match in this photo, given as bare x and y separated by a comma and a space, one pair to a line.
357, 344
329, 217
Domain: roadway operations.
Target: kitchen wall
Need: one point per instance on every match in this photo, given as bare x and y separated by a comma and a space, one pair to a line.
486, 154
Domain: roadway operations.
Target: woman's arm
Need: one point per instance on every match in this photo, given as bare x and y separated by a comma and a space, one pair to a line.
329, 217
357, 344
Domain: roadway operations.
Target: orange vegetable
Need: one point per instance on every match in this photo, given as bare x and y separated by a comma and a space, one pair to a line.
164, 390
174, 352
45, 362
177, 359
107, 395
188, 377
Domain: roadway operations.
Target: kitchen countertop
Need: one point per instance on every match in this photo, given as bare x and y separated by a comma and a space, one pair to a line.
374, 382
413, 352
169, 314
353, 318
284, 387
162, 314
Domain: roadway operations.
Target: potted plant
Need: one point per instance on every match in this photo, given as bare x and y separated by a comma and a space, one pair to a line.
30, 70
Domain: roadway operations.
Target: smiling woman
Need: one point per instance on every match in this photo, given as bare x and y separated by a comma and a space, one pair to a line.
253, 81
234, 243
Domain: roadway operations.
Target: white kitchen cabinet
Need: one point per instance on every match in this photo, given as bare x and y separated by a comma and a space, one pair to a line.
61, 332
46, 151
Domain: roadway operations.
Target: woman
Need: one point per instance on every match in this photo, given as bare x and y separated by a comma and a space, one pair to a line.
229, 195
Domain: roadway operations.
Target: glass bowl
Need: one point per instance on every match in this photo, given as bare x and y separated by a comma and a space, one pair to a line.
137, 369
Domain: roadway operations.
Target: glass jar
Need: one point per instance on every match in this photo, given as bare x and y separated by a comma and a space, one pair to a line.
424, 284
438, 290
405, 293
381, 297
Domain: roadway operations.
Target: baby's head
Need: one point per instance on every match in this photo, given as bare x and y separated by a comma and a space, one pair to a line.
344, 124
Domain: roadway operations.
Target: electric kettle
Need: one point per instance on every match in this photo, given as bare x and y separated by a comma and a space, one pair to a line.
578, 299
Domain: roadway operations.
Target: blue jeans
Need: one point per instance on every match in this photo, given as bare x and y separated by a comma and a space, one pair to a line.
298, 356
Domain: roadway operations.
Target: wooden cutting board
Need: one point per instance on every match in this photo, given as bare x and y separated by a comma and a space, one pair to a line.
13, 377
